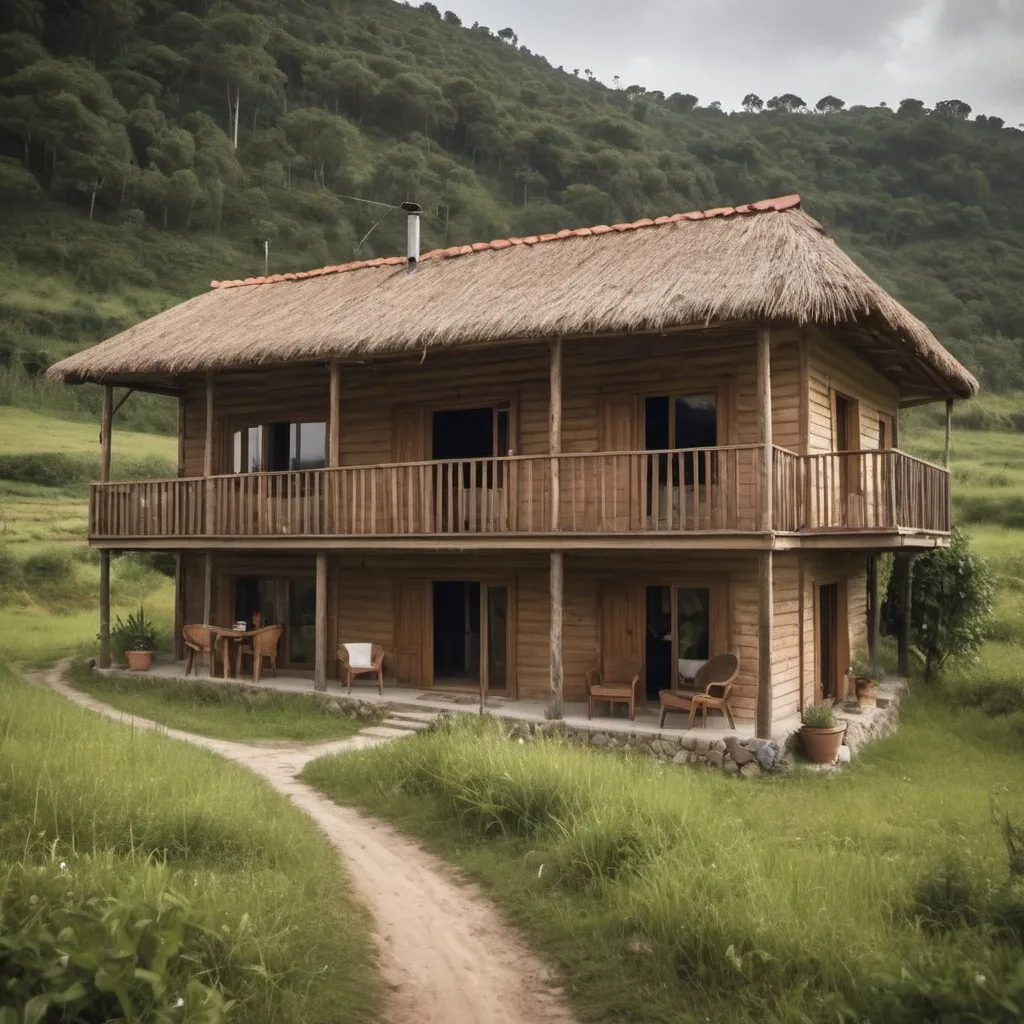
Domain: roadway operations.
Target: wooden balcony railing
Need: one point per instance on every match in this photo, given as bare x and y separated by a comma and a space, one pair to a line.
683, 491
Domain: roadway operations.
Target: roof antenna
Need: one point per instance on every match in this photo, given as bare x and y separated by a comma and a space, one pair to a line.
412, 233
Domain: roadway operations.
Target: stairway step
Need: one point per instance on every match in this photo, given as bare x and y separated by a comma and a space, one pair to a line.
408, 725
383, 732
414, 716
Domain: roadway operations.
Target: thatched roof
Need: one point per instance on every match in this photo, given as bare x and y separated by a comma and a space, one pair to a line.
769, 260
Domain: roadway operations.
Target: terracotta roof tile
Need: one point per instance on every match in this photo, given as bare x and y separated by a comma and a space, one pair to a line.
764, 206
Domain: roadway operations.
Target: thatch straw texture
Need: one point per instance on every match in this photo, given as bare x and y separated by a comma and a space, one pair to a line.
777, 264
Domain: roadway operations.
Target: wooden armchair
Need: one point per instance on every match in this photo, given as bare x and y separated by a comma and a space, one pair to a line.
361, 660
616, 682
200, 642
264, 644
714, 680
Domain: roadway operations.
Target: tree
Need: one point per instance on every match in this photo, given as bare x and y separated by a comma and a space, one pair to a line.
682, 102
788, 102
952, 593
910, 108
752, 103
952, 110
452, 18
829, 105
507, 35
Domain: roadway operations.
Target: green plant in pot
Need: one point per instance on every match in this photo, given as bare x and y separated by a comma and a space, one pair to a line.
865, 680
821, 735
135, 638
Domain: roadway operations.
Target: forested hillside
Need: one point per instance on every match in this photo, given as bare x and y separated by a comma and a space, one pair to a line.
147, 146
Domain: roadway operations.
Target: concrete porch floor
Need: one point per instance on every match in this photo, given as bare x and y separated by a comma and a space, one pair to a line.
527, 710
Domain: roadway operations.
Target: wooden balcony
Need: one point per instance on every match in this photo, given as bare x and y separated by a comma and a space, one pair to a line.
679, 493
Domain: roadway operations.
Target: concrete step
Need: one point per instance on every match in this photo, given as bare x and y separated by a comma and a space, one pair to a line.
414, 716
404, 724
384, 732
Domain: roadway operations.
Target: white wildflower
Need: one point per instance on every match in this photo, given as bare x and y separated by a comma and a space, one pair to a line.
979, 979
63, 866
179, 1003
63, 960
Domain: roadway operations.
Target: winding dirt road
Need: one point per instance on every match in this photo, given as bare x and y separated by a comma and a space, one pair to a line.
445, 953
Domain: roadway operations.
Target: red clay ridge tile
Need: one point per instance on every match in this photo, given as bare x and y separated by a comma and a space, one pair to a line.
779, 205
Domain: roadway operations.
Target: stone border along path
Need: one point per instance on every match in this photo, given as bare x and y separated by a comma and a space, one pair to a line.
445, 954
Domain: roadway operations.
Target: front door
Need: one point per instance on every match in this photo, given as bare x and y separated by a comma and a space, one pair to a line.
622, 622
412, 646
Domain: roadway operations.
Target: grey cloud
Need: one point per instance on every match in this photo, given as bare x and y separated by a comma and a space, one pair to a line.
864, 51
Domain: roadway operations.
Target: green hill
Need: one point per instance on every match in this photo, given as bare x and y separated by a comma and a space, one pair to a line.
148, 146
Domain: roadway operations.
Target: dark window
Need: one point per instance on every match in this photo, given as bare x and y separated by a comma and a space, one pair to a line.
296, 446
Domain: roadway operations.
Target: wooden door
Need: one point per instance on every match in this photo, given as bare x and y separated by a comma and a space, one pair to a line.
412, 633
622, 622
617, 488
502, 478
832, 639
846, 412
407, 491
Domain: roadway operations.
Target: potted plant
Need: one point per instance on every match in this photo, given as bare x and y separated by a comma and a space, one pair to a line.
820, 734
864, 682
136, 637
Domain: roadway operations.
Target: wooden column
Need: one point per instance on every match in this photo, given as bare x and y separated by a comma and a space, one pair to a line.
901, 570
208, 456
555, 433
106, 427
208, 591
181, 436
320, 664
557, 592
874, 615
334, 417
949, 432
178, 645
764, 424
765, 632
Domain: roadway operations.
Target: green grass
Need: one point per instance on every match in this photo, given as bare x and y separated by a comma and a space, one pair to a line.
23, 431
223, 711
779, 900
134, 814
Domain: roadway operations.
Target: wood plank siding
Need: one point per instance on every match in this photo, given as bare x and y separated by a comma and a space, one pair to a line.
830, 412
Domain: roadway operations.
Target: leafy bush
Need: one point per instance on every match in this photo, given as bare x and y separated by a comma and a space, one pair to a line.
47, 568
135, 633
819, 716
994, 696
59, 469
72, 955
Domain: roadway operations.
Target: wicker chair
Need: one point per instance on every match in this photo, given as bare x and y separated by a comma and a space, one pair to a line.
264, 645
715, 680
361, 660
616, 682
200, 642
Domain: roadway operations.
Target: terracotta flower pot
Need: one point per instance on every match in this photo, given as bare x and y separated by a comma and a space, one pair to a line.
139, 661
822, 745
867, 691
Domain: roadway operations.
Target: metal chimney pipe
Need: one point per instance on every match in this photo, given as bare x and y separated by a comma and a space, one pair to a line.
412, 233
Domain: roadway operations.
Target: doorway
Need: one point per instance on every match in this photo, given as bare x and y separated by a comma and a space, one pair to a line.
828, 641
678, 635
286, 602
471, 634
469, 485
848, 440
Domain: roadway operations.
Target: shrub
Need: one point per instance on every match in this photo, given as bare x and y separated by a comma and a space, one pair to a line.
819, 716
948, 897
136, 633
994, 696
77, 956
47, 567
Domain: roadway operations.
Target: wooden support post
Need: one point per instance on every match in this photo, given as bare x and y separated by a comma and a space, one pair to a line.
764, 424
949, 432
178, 644
106, 425
901, 570
208, 456
765, 632
334, 417
208, 590
320, 663
555, 435
181, 436
557, 594
874, 615
104, 608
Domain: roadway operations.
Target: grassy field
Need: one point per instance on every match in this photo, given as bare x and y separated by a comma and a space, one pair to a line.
142, 844
213, 709
672, 895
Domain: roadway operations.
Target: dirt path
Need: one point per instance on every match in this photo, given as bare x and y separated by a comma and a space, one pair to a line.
445, 953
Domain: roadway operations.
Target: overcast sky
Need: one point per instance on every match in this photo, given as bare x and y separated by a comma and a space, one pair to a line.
863, 51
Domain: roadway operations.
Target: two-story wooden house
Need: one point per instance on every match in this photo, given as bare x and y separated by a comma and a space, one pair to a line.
670, 439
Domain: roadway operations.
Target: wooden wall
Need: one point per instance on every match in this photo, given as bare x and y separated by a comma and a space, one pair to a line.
372, 394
